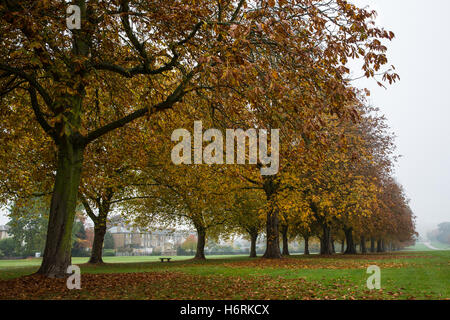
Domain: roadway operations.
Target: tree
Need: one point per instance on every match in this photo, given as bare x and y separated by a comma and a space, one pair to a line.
8, 247
189, 244
442, 234
193, 194
167, 51
78, 62
28, 225
336, 184
79, 238
109, 241
247, 218
110, 173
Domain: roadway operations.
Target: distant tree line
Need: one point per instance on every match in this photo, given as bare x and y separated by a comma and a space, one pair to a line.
441, 234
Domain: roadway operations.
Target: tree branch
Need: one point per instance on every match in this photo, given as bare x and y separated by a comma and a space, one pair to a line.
133, 198
88, 208
143, 68
236, 12
175, 97
40, 116
42, 92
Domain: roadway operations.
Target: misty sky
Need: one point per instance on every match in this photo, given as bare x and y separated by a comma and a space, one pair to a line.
417, 107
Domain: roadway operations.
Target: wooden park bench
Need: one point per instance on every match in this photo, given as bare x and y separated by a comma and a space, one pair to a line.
162, 259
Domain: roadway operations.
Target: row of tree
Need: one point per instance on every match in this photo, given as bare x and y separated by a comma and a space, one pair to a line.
27, 230
441, 234
87, 115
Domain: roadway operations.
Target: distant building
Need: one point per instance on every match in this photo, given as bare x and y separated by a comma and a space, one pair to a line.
4, 232
138, 242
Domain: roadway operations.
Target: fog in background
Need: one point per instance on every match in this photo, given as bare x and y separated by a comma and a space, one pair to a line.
417, 107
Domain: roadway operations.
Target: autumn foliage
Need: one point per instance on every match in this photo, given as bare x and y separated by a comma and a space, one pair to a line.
86, 118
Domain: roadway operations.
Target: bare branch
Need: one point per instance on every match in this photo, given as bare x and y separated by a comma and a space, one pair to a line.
42, 92
87, 207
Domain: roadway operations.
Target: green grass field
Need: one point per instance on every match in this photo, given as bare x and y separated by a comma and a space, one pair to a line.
404, 275
420, 246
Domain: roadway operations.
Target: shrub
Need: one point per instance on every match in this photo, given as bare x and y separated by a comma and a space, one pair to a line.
7, 246
109, 253
156, 252
80, 252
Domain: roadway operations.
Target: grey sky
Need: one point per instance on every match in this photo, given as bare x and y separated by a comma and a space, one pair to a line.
417, 107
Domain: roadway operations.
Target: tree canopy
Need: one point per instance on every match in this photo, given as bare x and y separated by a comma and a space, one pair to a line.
89, 110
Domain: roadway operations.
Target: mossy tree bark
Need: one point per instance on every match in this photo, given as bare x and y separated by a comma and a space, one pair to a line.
57, 253
272, 228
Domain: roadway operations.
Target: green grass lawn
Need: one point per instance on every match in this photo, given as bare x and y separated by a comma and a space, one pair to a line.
404, 275
15, 268
418, 247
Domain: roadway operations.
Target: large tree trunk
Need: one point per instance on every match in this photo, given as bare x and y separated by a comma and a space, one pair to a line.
253, 238
272, 232
325, 241
306, 245
104, 206
363, 245
97, 246
342, 246
273, 244
201, 241
372, 245
284, 232
379, 246
349, 239
57, 253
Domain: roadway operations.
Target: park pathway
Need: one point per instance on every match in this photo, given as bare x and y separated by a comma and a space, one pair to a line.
428, 244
